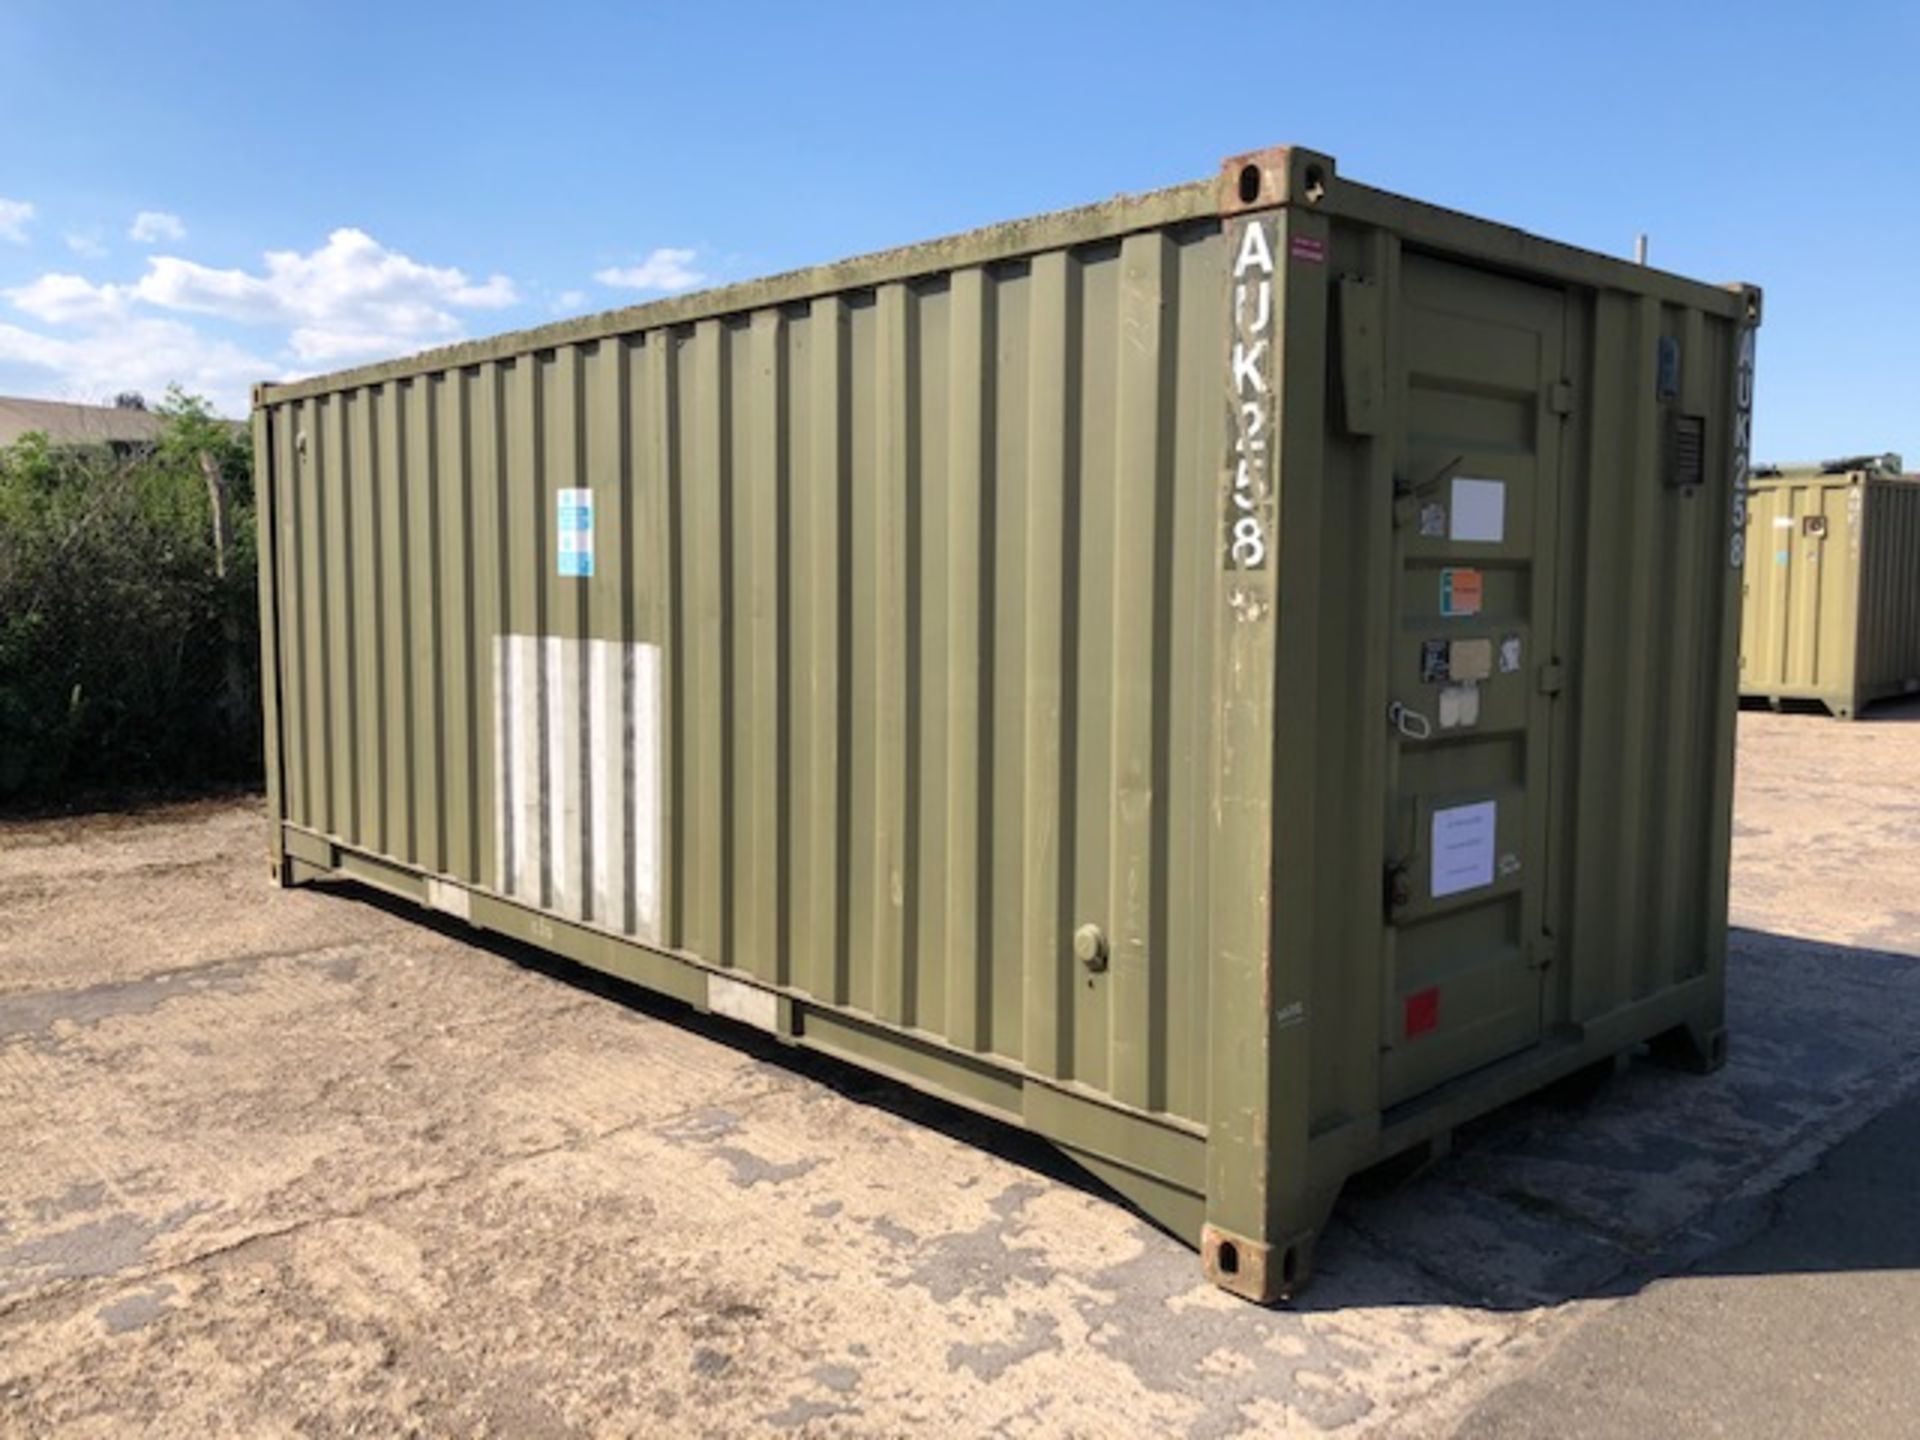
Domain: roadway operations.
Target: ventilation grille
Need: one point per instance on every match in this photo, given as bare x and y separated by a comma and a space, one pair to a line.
1686, 458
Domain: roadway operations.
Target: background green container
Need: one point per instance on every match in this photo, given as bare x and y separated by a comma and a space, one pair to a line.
1234, 680
1832, 608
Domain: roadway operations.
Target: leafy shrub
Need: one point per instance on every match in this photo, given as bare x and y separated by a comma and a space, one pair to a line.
126, 658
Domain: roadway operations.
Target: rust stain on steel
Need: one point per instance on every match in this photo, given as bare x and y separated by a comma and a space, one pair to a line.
1255, 180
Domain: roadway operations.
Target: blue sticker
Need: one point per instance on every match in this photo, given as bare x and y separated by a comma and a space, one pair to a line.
575, 534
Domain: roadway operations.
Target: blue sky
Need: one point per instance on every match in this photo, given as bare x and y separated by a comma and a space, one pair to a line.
420, 172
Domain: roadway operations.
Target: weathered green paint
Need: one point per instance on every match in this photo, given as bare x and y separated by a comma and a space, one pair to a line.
1012, 738
1832, 609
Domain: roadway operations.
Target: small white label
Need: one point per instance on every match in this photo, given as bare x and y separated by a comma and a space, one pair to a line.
574, 530
1463, 837
746, 1003
1510, 655
1479, 511
1433, 520
1459, 707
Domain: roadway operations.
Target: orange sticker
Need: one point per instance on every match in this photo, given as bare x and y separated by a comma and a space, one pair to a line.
1460, 592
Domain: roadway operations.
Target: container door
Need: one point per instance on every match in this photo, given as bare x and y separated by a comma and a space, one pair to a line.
1477, 482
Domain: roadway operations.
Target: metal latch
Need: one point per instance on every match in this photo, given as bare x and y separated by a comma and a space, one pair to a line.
1551, 678
1540, 952
1397, 888
1560, 397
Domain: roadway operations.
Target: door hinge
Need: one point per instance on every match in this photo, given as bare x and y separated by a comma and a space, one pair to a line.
1540, 953
1560, 397
1552, 678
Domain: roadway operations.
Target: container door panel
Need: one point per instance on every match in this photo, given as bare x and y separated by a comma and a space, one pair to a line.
1478, 472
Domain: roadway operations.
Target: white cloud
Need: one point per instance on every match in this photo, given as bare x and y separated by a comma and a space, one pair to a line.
85, 242
68, 299
176, 284
349, 298
151, 226
568, 300
14, 215
663, 269
141, 354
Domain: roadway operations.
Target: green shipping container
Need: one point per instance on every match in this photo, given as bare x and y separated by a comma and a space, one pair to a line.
1832, 610
1235, 680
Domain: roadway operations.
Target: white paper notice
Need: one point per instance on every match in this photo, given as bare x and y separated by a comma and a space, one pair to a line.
1479, 511
1463, 847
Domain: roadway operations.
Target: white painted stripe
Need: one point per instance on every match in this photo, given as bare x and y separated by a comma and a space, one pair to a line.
621, 863
593, 796
603, 702
509, 719
646, 760
502, 796
528, 849
562, 779
581, 726
557, 703
623, 825
576, 733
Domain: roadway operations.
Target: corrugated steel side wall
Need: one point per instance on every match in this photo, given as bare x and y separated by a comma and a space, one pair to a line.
1644, 747
1890, 588
930, 570
1834, 618
1800, 622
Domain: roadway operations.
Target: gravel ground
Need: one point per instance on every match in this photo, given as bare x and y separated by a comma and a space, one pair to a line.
305, 1163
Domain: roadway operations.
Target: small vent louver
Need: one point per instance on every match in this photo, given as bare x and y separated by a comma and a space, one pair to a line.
1686, 457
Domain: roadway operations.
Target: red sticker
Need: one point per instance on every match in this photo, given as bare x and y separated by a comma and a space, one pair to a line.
1423, 1011
1309, 249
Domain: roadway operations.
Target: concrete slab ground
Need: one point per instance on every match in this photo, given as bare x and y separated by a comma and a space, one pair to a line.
1807, 1327
302, 1163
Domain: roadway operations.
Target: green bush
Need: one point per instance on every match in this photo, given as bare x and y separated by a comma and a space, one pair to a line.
126, 658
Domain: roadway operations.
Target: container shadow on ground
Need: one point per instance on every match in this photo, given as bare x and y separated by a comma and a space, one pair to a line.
1591, 1188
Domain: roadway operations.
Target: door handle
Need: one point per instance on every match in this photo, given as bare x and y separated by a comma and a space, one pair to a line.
1409, 722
